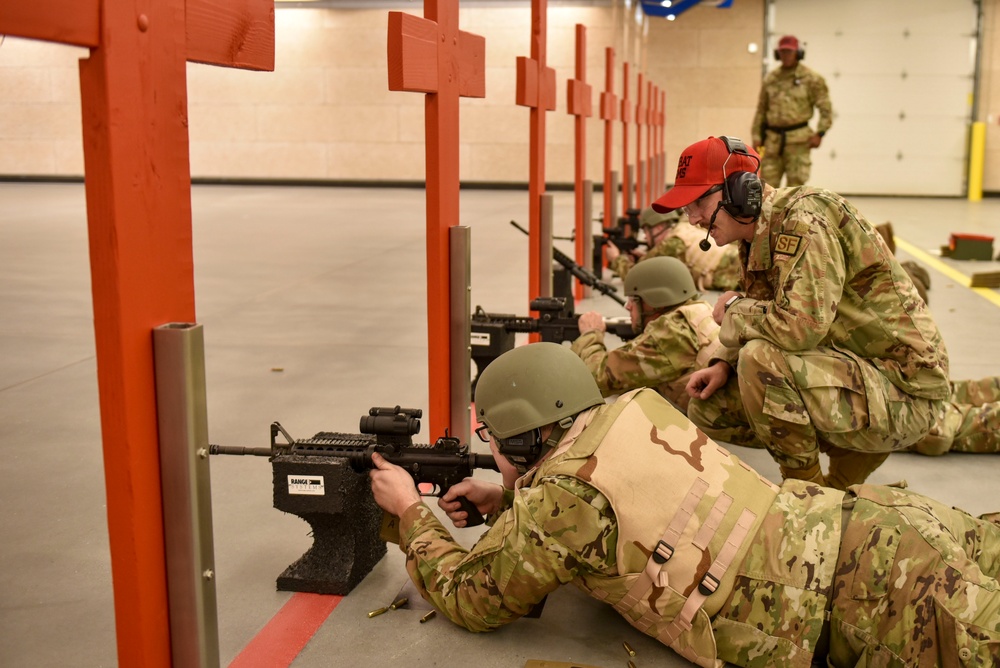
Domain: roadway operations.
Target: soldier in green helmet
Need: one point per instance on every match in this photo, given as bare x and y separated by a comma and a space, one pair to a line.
635, 506
676, 334
671, 235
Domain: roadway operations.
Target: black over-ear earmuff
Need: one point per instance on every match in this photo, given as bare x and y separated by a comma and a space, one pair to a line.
742, 192
800, 53
522, 450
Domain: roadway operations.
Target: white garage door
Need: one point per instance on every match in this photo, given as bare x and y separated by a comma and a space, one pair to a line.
901, 75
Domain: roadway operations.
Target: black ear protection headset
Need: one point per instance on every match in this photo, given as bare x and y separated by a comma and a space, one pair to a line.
742, 192
800, 54
522, 450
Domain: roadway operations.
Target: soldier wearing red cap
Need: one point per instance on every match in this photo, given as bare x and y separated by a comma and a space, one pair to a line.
781, 125
832, 347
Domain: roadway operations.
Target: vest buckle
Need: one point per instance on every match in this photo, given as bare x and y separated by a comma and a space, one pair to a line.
709, 584
662, 552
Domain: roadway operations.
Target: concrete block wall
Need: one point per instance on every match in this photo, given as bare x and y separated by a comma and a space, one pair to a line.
326, 113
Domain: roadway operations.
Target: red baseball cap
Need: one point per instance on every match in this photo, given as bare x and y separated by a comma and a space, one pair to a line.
700, 167
788, 42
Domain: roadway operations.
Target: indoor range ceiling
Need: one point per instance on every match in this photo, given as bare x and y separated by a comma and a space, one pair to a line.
668, 9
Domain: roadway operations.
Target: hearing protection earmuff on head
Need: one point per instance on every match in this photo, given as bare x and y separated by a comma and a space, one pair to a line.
799, 53
522, 450
742, 191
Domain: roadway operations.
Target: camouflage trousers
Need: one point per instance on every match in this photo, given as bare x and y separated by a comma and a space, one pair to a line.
794, 163
916, 584
800, 404
971, 421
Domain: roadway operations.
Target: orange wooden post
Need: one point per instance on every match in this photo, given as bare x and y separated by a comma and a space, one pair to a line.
536, 89
640, 120
431, 55
626, 118
579, 103
609, 112
138, 186
662, 123
653, 100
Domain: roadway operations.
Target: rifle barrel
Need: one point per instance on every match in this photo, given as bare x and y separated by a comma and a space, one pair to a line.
238, 450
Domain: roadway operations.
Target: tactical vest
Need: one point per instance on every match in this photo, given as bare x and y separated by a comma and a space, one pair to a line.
701, 263
699, 318
687, 513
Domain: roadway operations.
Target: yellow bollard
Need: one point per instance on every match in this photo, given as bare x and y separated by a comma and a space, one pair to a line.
977, 151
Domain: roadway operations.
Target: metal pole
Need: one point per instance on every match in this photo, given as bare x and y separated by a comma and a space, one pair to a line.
182, 421
461, 331
545, 249
588, 237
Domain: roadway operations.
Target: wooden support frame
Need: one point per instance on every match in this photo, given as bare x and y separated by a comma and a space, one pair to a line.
138, 188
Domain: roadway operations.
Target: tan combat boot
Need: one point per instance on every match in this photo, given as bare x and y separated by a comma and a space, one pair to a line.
850, 467
809, 474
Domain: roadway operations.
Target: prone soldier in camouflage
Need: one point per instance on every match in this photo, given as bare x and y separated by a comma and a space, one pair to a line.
833, 348
635, 506
677, 334
781, 125
671, 235
971, 420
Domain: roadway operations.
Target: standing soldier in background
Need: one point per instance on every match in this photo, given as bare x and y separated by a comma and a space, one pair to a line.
781, 131
677, 334
671, 235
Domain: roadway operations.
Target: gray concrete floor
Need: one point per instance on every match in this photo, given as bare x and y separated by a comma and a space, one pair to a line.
328, 285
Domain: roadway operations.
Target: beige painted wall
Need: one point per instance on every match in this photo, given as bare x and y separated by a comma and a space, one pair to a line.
326, 113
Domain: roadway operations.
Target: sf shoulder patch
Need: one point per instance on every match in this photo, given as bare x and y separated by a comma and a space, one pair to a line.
787, 244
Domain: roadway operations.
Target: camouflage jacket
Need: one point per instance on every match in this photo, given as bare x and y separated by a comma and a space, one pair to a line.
681, 242
787, 97
668, 247
670, 348
817, 274
595, 521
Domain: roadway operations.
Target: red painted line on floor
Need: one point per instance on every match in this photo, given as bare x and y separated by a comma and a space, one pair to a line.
281, 640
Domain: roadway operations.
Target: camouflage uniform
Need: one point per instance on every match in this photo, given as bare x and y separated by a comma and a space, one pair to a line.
916, 584
715, 269
720, 565
787, 98
833, 348
971, 421
671, 347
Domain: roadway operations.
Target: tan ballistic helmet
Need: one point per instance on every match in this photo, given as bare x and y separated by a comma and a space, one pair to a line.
532, 386
660, 282
650, 218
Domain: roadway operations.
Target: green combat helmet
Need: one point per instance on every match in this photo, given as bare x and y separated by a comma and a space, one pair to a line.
527, 388
661, 282
650, 218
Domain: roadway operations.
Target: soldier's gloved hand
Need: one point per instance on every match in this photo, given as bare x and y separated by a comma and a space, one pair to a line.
815, 141
486, 496
392, 486
591, 321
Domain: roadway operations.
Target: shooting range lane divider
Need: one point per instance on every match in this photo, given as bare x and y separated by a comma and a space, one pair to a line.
952, 273
282, 638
